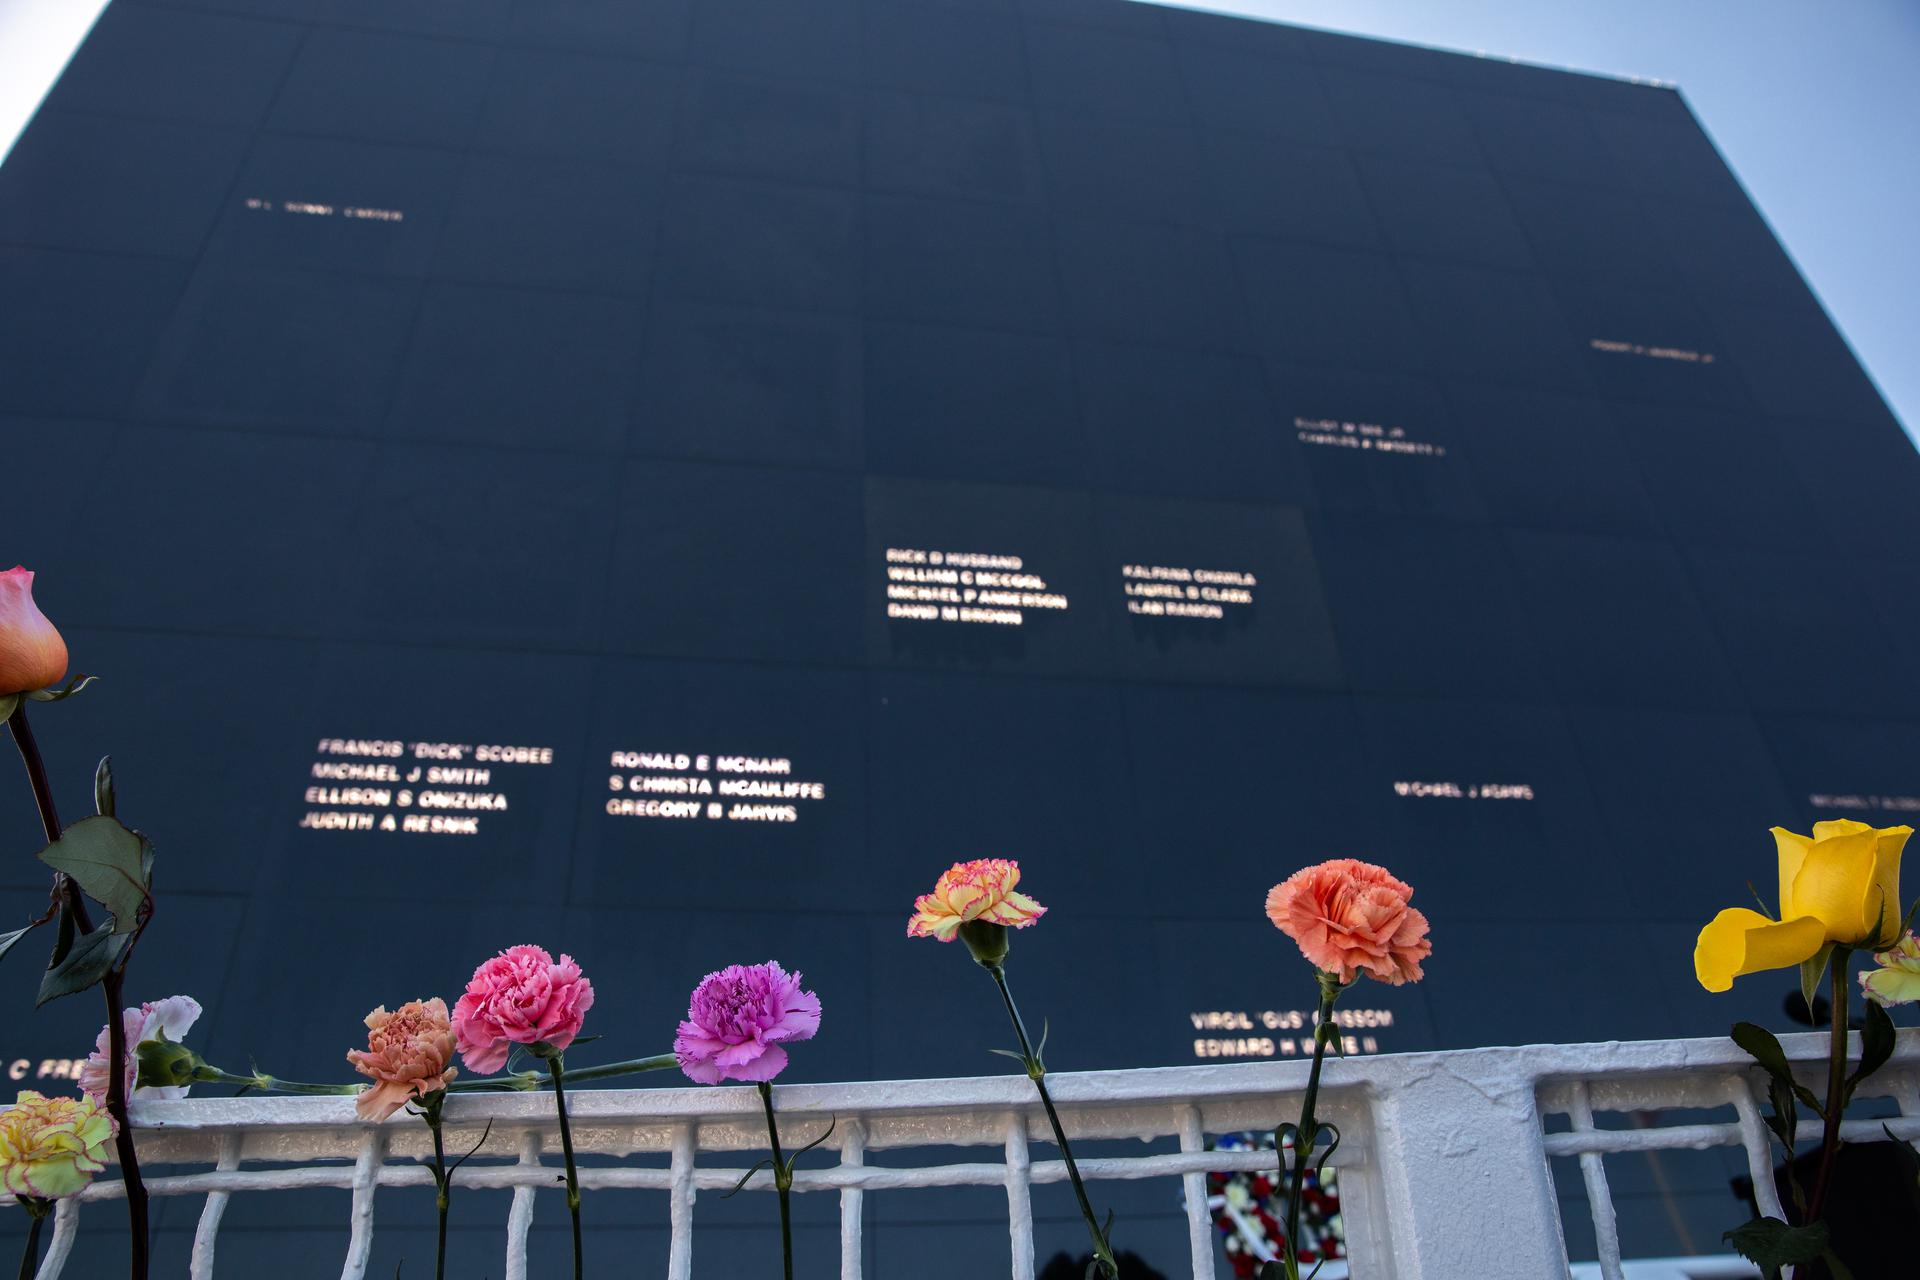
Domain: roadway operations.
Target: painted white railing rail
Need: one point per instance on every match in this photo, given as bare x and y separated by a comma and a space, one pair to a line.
1443, 1165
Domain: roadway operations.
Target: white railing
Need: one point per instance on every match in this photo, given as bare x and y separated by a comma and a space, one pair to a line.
1444, 1164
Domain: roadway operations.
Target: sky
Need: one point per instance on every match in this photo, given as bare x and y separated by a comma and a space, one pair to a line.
1815, 105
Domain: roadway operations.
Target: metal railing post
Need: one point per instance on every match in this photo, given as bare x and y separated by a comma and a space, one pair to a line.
1462, 1175
853, 1155
1019, 1198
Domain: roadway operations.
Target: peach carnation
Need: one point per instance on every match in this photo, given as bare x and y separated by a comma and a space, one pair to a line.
979, 890
408, 1055
1351, 917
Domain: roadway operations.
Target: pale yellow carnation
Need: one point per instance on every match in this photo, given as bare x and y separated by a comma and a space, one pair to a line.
51, 1147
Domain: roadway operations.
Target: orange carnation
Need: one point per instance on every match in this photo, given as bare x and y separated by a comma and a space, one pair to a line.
1351, 917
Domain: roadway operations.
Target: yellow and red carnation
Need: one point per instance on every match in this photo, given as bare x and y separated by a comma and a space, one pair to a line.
983, 890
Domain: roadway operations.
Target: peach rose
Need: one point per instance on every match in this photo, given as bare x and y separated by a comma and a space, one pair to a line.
32, 654
1351, 917
979, 890
408, 1054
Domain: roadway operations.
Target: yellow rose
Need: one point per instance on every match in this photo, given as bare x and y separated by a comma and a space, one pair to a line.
1841, 885
52, 1147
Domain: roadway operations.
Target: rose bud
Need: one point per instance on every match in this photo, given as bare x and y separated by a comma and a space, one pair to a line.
32, 654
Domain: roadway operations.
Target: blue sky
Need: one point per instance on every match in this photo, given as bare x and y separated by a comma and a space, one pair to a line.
1815, 105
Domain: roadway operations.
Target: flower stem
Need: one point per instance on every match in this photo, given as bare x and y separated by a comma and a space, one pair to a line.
558, 1071
271, 1084
782, 1180
37, 1209
514, 1082
1037, 1072
110, 987
1836, 1084
430, 1112
608, 1070
1308, 1135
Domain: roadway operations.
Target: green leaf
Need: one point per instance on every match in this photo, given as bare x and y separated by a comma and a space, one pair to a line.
1771, 1244
103, 787
1876, 1045
63, 938
8, 939
764, 1163
1764, 1049
1812, 970
1785, 1120
7, 703
795, 1157
1320, 1165
72, 687
92, 956
108, 861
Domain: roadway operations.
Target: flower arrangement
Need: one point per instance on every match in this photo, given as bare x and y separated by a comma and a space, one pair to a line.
741, 1020
1839, 893
1248, 1208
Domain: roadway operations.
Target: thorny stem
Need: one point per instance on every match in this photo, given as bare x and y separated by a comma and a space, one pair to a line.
1836, 1086
110, 987
1037, 1072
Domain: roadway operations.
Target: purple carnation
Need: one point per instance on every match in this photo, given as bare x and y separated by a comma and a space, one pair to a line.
737, 1020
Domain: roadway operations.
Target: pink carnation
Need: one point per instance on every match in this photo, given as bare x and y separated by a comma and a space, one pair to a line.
1351, 917
737, 1020
173, 1017
521, 996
